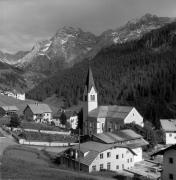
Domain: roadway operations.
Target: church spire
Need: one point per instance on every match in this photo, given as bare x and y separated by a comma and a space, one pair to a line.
89, 81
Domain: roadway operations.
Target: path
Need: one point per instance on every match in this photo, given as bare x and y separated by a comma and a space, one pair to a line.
5, 141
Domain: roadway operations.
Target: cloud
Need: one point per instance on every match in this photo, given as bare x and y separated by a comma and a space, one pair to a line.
23, 22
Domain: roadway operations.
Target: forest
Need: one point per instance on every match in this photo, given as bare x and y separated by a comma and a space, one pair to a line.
140, 73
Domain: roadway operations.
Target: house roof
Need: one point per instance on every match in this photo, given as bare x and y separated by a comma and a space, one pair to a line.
39, 108
94, 148
10, 108
162, 151
168, 124
119, 136
119, 112
89, 82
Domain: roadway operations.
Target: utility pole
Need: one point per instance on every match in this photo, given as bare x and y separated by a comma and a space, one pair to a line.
79, 151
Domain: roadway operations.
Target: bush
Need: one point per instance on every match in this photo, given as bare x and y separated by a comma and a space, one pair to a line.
14, 121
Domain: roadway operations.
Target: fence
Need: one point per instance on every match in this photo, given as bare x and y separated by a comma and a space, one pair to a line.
41, 131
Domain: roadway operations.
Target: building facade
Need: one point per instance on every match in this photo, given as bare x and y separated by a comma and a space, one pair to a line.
169, 128
126, 138
169, 162
99, 119
96, 156
37, 112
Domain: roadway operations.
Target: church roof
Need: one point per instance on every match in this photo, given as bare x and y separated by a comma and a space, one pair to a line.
119, 112
89, 81
119, 136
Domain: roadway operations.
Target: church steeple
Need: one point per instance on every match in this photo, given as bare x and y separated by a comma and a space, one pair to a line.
90, 99
89, 81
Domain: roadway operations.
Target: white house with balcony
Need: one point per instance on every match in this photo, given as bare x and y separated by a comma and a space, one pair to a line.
126, 137
37, 112
169, 128
95, 156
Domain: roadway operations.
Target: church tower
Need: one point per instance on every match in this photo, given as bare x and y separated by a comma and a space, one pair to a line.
90, 100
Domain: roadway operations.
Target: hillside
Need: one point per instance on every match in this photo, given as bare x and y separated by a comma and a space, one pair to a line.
140, 73
10, 101
71, 45
11, 77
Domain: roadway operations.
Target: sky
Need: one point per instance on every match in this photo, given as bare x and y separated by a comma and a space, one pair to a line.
24, 22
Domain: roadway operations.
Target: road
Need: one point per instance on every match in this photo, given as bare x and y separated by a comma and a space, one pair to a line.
5, 141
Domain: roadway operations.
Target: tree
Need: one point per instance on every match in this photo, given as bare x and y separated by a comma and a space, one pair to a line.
14, 121
63, 118
80, 119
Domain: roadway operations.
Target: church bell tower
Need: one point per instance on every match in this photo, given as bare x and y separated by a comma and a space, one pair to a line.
90, 99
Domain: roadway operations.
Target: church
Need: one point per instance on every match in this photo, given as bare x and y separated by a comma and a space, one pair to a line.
109, 118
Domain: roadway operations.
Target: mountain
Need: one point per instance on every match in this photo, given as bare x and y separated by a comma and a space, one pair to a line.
12, 58
67, 47
11, 78
138, 73
134, 29
71, 45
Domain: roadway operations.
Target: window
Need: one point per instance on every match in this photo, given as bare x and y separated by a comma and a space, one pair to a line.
122, 166
131, 159
109, 166
101, 156
117, 167
93, 168
117, 156
122, 155
108, 154
128, 160
170, 135
171, 176
101, 166
92, 97
171, 160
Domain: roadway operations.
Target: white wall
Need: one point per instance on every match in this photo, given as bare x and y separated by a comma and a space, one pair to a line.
114, 162
169, 168
134, 117
138, 152
170, 138
20, 96
100, 124
47, 116
92, 104
73, 122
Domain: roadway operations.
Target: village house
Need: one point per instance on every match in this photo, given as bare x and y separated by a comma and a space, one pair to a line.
8, 110
17, 95
37, 112
95, 156
169, 162
99, 119
125, 137
169, 128
71, 118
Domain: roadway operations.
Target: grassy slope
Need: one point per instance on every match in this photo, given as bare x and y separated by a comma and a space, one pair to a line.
10, 101
26, 163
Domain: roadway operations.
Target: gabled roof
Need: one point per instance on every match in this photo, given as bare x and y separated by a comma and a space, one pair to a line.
94, 148
168, 124
89, 82
119, 112
10, 108
161, 152
119, 136
39, 108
